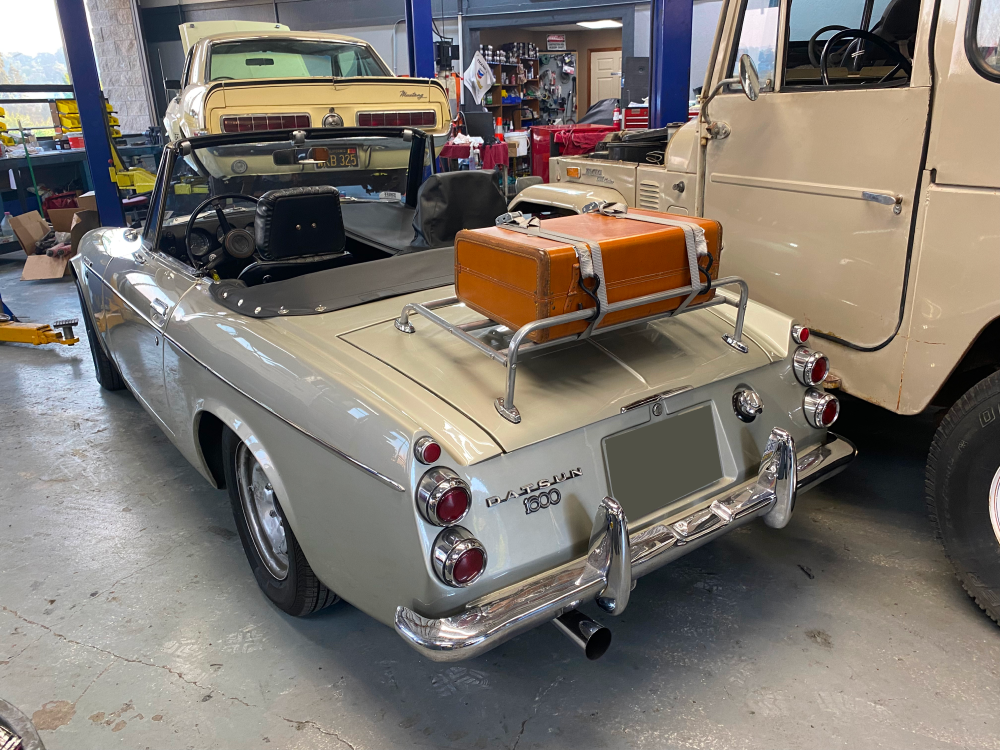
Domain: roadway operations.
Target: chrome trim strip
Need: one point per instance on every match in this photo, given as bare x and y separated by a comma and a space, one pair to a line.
648, 400
489, 621
351, 460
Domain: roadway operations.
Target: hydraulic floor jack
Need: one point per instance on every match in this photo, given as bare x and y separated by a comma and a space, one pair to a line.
16, 332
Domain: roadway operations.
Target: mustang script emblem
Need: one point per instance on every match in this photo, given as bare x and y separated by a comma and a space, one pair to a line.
539, 495
404, 94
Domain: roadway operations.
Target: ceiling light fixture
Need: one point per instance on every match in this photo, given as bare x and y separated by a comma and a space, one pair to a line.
607, 23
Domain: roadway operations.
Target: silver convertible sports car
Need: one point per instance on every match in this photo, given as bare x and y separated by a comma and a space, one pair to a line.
287, 316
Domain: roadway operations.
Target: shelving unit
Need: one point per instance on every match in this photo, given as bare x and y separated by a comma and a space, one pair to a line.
517, 83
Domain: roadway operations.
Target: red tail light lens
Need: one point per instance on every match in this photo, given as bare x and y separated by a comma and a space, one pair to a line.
443, 497
800, 334
249, 123
427, 451
811, 368
416, 119
453, 505
821, 409
469, 567
371, 119
457, 557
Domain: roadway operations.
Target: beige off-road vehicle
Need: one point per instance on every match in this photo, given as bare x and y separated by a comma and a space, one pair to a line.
860, 194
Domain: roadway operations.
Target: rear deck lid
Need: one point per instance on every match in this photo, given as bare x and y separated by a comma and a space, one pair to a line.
566, 386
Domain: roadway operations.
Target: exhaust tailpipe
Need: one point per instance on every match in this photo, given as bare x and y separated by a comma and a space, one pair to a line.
589, 635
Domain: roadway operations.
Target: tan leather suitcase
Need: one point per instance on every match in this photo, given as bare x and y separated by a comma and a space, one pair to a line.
513, 277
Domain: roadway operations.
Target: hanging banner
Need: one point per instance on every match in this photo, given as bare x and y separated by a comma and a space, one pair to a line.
478, 77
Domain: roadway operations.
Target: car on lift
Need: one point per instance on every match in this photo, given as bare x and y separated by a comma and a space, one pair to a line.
287, 317
264, 77
880, 235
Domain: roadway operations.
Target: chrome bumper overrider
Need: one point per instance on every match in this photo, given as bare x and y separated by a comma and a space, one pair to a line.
616, 558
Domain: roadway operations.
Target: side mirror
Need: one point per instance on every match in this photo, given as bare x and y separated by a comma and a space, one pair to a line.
172, 84
749, 80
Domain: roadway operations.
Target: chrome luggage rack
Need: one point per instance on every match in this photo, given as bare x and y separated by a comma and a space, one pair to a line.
518, 343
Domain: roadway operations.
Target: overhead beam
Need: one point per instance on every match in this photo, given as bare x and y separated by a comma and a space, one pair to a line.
87, 91
670, 61
420, 38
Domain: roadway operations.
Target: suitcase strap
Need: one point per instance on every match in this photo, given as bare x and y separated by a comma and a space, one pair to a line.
587, 251
694, 240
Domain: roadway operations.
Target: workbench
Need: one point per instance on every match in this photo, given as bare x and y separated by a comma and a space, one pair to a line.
60, 169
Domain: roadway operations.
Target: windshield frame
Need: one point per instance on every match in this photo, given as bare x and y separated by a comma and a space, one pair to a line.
189, 146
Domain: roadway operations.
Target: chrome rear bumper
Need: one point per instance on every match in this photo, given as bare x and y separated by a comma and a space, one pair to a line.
616, 557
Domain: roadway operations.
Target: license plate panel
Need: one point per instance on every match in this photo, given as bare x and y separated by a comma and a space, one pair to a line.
653, 465
342, 158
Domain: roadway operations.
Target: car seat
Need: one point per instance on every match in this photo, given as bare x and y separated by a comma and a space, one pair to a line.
297, 230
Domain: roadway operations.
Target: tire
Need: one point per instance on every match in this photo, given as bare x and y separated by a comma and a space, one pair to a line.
105, 370
286, 579
963, 491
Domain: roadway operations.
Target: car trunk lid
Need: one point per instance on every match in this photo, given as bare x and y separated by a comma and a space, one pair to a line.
348, 97
563, 387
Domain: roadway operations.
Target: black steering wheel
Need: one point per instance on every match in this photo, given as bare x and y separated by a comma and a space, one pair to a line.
860, 34
813, 46
237, 242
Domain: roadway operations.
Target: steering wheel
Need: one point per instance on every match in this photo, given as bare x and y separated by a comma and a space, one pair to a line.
859, 34
813, 51
237, 242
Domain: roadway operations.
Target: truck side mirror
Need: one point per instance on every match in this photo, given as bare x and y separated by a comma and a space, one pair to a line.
171, 83
749, 80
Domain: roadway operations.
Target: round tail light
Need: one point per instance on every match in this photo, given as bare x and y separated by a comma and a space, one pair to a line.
821, 409
459, 559
811, 368
443, 497
427, 450
800, 334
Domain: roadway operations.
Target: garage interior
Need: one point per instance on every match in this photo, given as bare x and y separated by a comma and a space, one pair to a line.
128, 615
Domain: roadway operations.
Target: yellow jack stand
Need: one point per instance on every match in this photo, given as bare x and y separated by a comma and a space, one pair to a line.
31, 333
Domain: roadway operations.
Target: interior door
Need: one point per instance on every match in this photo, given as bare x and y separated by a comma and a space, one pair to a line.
815, 186
147, 287
605, 75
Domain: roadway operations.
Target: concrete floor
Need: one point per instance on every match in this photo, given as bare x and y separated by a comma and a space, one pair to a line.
128, 615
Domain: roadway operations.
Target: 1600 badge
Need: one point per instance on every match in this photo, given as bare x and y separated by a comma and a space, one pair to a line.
538, 495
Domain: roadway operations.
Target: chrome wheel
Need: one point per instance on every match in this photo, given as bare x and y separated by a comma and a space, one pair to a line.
995, 504
260, 507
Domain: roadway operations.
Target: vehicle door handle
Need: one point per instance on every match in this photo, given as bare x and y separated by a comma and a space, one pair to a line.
158, 311
886, 199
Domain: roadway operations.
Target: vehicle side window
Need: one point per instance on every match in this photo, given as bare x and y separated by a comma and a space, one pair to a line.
758, 37
187, 68
864, 42
982, 41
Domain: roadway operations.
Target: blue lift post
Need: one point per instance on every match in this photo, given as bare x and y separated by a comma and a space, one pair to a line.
420, 38
670, 61
87, 90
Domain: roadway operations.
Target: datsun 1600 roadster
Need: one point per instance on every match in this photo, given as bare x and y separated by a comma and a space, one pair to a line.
287, 316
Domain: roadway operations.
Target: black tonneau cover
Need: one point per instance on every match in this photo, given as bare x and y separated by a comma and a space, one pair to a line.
339, 288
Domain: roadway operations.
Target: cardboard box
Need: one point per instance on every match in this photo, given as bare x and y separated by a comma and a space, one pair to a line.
29, 228
62, 218
39, 267
83, 222
87, 201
